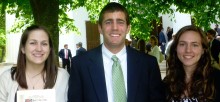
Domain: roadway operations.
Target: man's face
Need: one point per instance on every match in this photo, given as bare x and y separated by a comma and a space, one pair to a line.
209, 37
77, 46
114, 29
66, 46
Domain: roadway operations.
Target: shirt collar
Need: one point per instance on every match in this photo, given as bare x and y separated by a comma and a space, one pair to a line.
109, 54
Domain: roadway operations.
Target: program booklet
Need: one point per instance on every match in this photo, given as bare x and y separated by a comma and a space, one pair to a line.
46, 95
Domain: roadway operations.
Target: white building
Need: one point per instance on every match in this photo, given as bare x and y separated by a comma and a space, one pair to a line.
80, 16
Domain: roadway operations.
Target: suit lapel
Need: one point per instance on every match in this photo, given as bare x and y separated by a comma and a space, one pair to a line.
133, 73
97, 74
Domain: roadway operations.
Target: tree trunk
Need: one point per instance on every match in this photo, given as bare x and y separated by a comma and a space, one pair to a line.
2, 54
45, 13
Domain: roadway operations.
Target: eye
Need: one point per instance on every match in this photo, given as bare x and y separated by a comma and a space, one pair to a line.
121, 22
195, 45
45, 44
108, 22
33, 43
181, 44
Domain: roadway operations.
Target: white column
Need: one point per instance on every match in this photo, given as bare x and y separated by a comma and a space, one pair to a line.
12, 40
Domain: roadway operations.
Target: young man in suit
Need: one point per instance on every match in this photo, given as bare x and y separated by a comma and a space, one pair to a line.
80, 50
92, 77
65, 55
214, 45
162, 40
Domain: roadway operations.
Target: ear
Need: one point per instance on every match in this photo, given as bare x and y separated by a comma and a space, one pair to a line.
100, 29
22, 50
128, 28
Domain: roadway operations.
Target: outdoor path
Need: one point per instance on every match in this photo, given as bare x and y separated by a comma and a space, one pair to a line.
163, 68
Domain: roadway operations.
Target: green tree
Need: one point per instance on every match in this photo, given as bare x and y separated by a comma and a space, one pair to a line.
144, 12
52, 13
49, 13
2, 37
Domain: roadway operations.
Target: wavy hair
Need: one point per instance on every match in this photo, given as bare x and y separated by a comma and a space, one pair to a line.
201, 85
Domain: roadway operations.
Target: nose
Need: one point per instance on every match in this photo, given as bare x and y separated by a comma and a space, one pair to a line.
114, 25
188, 48
38, 47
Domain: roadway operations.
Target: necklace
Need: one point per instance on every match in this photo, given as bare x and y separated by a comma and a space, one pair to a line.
31, 78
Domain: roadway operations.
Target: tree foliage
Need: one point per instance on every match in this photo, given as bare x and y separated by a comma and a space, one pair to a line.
2, 37
142, 13
204, 12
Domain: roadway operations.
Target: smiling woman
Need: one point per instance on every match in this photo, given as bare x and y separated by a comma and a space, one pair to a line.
190, 75
36, 69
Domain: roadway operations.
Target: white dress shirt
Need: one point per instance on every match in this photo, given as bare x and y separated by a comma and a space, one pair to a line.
107, 61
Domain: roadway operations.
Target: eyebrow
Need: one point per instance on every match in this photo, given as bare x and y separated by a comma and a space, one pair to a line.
36, 40
112, 20
190, 42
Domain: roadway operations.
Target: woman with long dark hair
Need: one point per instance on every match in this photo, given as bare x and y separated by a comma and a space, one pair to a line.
35, 69
189, 76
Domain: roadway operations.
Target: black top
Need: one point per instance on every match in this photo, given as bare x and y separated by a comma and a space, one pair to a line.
216, 76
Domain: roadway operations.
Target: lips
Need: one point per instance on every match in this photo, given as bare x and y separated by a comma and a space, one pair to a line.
114, 35
38, 55
188, 56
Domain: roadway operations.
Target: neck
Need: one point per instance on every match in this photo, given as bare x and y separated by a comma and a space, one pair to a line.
114, 49
189, 73
34, 69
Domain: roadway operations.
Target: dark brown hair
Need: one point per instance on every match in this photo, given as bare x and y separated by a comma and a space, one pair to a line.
141, 45
51, 70
202, 84
154, 38
212, 32
113, 7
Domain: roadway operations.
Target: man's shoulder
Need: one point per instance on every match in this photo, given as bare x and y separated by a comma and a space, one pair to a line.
61, 50
91, 52
216, 41
140, 55
82, 49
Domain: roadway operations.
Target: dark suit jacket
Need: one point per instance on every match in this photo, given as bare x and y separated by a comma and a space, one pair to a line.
80, 51
215, 49
62, 54
87, 78
162, 38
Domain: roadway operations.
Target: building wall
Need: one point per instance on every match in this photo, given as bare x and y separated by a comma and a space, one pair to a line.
166, 18
80, 16
13, 39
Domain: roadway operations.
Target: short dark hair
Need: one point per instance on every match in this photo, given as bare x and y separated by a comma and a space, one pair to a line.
79, 44
65, 45
113, 7
212, 32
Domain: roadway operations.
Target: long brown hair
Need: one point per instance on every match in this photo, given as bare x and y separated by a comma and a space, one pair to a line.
202, 84
50, 68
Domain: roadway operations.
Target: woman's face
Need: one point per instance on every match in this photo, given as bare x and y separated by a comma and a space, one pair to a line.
37, 48
152, 42
189, 49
